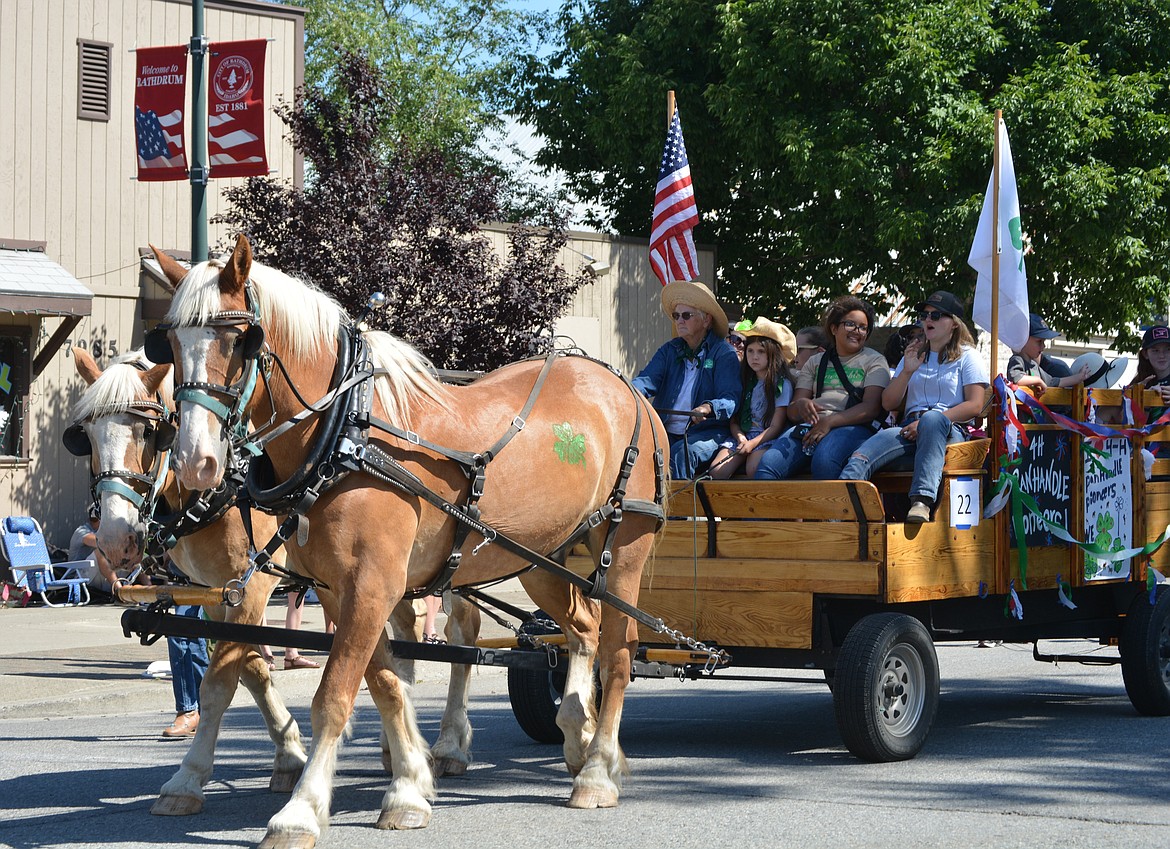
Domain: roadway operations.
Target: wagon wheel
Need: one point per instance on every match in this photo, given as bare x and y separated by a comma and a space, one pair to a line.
535, 694
886, 688
1145, 654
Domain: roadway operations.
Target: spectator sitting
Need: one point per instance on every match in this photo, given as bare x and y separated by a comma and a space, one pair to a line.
737, 338
1153, 370
1034, 370
810, 341
697, 372
943, 382
767, 389
83, 546
838, 397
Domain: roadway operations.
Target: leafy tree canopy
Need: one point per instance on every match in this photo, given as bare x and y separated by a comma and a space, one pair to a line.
445, 63
406, 223
834, 139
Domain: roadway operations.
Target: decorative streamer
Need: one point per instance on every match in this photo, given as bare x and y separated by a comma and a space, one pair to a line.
1064, 592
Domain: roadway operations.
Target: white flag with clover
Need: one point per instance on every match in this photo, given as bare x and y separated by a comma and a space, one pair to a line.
1013, 279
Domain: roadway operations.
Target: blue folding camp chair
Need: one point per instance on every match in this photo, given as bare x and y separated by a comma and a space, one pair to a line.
34, 572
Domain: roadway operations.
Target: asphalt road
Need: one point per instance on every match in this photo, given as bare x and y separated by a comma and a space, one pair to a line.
1022, 755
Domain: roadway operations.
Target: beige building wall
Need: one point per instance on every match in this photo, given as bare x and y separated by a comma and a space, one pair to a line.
68, 182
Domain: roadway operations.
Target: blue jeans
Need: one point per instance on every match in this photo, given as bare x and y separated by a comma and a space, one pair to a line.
929, 450
188, 663
786, 457
691, 453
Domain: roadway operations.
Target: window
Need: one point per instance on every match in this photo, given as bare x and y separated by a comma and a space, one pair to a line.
93, 80
15, 374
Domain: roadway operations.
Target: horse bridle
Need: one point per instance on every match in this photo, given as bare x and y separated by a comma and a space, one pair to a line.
141, 490
238, 394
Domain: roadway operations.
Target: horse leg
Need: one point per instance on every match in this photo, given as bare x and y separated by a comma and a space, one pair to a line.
407, 804
360, 611
598, 784
183, 793
578, 618
290, 755
451, 753
406, 626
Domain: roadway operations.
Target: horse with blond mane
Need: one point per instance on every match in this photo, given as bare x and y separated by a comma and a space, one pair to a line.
528, 458
122, 422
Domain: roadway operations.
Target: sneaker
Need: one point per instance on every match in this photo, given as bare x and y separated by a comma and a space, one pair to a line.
919, 513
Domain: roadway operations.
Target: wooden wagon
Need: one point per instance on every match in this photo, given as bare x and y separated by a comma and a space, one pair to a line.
826, 575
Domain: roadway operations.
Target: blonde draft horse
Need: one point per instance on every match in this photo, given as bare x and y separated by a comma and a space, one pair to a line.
122, 438
557, 470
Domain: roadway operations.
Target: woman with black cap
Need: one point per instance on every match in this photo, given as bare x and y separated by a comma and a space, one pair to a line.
943, 382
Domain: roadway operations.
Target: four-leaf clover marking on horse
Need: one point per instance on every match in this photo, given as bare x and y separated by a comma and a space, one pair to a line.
570, 447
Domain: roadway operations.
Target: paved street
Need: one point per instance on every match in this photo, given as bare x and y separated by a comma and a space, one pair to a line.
1022, 754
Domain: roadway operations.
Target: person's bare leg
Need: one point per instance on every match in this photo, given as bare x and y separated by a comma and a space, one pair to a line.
292, 621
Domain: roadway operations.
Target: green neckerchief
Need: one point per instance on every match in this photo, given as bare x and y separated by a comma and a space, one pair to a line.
745, 404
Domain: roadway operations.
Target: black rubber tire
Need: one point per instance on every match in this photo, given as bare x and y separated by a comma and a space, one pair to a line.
885, 692
1145, 653
536, 697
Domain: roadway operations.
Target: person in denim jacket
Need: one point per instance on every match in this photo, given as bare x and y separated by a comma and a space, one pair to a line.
697, 371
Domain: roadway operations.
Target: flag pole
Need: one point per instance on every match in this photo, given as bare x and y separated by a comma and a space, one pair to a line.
669, 108
997, 250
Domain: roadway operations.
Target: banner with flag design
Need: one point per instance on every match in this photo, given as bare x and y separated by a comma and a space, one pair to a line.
160, 89
672, 245
235, 109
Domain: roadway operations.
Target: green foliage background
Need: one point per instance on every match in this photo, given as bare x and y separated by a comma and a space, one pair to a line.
835, 139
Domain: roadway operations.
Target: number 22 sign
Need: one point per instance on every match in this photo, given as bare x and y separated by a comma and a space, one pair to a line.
965, 504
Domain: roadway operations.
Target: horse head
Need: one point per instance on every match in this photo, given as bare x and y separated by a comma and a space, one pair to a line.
213, 337
124, 424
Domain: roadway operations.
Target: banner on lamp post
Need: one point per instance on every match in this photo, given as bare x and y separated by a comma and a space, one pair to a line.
235, 109
160, 91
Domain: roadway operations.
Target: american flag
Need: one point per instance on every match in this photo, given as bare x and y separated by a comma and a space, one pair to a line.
672, 244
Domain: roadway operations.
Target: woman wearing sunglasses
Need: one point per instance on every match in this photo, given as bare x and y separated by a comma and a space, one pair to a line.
838, 397
943, 382
696, 372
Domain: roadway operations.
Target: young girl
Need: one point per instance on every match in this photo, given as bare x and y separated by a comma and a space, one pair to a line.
1154, 361
767, 389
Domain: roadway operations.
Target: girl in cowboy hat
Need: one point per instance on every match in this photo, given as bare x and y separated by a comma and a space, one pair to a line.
696, 374
942, 381
767, 389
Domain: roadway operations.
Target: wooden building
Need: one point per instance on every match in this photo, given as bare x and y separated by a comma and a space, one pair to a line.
73, 218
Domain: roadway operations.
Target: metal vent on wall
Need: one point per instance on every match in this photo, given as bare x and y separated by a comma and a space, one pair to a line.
93, 79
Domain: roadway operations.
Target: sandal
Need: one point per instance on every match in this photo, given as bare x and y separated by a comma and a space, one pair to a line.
434, 639
300, 662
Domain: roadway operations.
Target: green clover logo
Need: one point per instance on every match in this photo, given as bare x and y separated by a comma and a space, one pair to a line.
570, 447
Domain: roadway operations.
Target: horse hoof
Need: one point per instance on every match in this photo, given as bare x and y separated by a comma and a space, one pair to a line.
176, 806
288, 840
404, 819
591, 797
284, 782
449, 766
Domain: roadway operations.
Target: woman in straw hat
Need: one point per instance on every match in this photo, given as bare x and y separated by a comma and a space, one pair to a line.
838, 397
767, 389
696, 372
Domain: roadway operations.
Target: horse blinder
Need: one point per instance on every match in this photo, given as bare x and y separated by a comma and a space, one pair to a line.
253, 341
157, 346
164, 438
76, 441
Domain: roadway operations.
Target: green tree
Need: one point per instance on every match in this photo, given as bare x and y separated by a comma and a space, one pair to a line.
405, 223
837, 139
446, 63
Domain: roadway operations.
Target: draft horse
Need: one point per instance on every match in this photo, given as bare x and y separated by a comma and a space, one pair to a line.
124, 423
536, 454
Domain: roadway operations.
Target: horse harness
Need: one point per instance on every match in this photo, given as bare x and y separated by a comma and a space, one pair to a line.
343, 446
